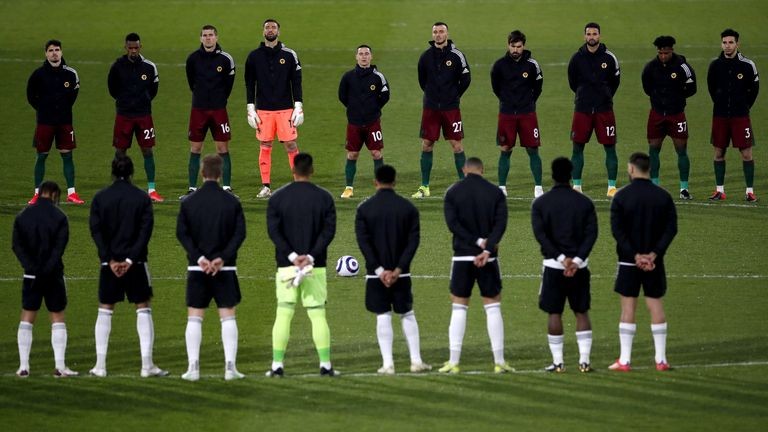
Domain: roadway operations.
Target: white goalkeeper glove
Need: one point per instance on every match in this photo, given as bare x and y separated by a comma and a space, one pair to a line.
297, 117
300, 274
253, 119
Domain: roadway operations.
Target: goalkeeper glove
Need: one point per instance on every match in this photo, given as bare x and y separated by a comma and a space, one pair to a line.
297, 117
300, 274
253, 119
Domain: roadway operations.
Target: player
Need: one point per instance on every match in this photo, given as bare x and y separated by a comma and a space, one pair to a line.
121, 223
476, 214
565, 225
52, 91
387, 229
301, 221
211, 228
517, 80
644, 223
210, 74
273, 92
444, 76
593, 74
733, 84
133, 83
40, 234
669, 80
363, 91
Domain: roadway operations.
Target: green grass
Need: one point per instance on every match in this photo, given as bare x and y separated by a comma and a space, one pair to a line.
717, 265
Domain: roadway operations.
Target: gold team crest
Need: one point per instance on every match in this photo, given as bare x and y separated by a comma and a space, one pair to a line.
373, 87
66, 84
740, 76
604, 65
674, 75
282, 61
218, 69
525, 74
448, 63
144, 77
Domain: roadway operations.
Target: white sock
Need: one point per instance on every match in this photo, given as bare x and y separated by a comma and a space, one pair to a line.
385, 335
584, 340
229, 340
24, 338
146, 329
103, 328
194, 336
70, 191
326, 365
59, 344
276, 365
556, 347
750, 190
626, 335
720, 188
495, 326
411, 332
659, 332
456, 331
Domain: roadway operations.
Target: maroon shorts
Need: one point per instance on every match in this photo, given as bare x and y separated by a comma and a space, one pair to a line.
603, 123
201, 120
126, 127
512, 125
449, 121
369, 134
45, 134
672, 125
737, 130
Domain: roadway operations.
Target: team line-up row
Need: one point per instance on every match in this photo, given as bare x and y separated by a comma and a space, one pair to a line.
301, 222
273, 81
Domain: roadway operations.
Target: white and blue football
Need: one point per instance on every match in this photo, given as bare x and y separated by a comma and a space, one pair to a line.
347, 266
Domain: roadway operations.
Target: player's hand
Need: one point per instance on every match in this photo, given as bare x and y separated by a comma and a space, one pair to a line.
215, 265
570, 267
385, 278
301, 261
205, 265
482, 259
253, 119
297, 117
118, 267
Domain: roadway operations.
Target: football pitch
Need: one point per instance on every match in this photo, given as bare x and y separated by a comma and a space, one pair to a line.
717, 266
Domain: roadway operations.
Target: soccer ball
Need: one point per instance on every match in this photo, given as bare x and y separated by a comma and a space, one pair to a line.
347, 266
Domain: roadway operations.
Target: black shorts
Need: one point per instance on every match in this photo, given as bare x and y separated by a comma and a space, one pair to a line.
136, 284
556, 288
630, 278
380, 299
223, 288
464, 274
49, 287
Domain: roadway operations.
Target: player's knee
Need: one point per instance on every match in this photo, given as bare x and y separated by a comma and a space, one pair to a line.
376, 154
353, 155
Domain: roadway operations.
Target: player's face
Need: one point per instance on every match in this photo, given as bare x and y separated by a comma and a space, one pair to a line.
730, 46
364, 57
209, 39
440, 34
592, 36
665, 54
133, 49
271, 31
516, 49
53, 54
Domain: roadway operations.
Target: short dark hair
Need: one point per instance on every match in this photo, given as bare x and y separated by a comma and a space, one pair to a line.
269, 20
364, 46
440, 23
54, 42
209, 27
302, 164
516, 36
474, 162
51, 189
592, 25
561, 169
664, 42
122, 167
641, 161
212, 166
386, 174
132, 37
730, 32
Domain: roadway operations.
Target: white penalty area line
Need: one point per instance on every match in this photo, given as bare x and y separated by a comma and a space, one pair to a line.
433, 373
441, 277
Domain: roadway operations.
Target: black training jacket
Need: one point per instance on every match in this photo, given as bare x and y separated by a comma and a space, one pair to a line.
121, 222
364, 91
517, 83
444, 76
733, 85
210, 76
273, 77
594, 78
564, 222
475, 208
40, 234
52, 92
133, 85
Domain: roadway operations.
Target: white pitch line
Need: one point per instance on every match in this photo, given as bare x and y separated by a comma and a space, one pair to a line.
409, 375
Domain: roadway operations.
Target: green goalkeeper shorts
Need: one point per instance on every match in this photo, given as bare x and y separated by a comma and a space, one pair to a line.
313, 289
